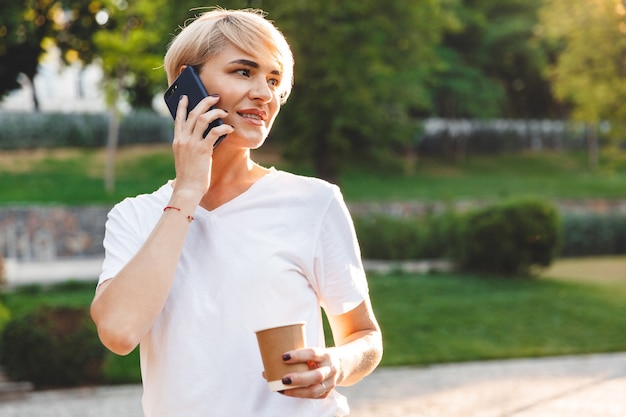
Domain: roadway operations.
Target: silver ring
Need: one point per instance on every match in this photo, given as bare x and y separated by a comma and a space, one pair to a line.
324, 388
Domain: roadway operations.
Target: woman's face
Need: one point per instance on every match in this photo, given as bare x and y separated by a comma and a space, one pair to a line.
248, 89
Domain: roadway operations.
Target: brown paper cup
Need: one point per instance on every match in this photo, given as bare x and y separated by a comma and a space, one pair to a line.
273, 343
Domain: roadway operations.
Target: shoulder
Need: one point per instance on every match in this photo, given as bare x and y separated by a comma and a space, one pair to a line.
307, 186
142, 204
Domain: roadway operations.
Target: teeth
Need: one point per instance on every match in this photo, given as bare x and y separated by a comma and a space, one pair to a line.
252, 116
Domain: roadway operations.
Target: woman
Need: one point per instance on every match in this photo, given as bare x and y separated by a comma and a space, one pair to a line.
229, 247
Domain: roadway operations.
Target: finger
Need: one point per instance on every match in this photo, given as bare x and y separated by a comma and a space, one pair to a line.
319, 390
179, 122
308, 380
204, 105
187, 119
204, 120
216, 134
314, 357
181, 110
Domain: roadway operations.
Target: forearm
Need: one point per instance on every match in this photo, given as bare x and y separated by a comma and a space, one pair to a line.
359, 345
358, 356
125, 307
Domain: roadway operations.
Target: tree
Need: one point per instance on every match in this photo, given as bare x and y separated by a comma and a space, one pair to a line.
24, 25
589, 70
75, 39
131, 47
360, 69
490, 65
127, 51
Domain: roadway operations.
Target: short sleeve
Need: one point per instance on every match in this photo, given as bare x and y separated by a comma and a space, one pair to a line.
122, 239
338, 268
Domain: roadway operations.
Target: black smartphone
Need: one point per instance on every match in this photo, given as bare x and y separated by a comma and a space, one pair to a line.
188, 83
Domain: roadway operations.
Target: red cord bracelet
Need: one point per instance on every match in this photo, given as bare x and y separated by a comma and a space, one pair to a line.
189, 218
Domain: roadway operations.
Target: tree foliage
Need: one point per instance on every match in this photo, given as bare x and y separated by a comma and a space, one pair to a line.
490, 66
590, 69
131, 50
360, 68
365, 70
24, 25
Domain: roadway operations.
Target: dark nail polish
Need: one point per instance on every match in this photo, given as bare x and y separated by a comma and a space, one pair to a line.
286, 357
282, 391
287, 380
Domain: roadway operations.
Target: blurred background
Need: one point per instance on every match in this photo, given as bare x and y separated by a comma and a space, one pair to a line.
480, 145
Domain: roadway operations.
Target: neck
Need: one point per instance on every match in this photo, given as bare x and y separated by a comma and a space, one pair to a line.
232, 173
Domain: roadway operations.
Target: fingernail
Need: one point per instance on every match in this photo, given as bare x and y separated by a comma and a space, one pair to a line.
287, 380
282, 391
181, 97
286, 357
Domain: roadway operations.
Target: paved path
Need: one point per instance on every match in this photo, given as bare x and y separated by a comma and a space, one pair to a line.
571, 386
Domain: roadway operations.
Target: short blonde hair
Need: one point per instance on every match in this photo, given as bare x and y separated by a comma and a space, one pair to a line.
246, 29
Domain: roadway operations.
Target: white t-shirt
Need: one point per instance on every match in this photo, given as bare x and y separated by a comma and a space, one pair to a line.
272, 255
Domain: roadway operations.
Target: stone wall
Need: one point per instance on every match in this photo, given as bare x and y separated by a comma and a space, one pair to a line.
417, 209
49, 233
46, 233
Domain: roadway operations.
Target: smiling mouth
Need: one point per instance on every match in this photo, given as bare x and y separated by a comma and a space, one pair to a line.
251, 116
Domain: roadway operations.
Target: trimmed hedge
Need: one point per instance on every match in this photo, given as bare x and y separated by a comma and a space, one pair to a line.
438, 235
53, 346
394, 238
594, 234
88, 130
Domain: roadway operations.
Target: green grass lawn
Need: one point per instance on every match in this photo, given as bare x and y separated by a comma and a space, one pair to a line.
447, 317
75, 176
576, 306
546, 175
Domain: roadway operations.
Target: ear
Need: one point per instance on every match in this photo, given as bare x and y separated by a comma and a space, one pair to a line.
182, 68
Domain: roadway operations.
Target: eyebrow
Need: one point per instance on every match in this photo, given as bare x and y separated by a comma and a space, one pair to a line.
252, 64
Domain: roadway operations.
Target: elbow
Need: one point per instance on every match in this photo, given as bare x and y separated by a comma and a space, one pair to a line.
378, 347
116, 342
114, 335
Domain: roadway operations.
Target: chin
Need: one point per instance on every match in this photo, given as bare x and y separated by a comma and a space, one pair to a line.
250, 142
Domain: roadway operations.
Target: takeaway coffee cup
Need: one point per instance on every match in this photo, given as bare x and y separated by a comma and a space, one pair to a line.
273, 343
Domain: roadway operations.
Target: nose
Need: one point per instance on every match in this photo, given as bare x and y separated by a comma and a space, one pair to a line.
261, 90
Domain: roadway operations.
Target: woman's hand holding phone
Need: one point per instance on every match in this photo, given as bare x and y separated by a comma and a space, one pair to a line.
193, 153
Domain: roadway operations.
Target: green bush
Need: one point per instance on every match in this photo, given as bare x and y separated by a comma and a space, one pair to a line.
3, 272
53, 130
439, 235
509, 238
48, 130
5, 315
53, 346
395, 238
389, 238
593, 234
144, 126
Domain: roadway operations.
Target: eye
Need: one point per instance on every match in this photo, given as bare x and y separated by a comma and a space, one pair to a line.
243, 71
273, 82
